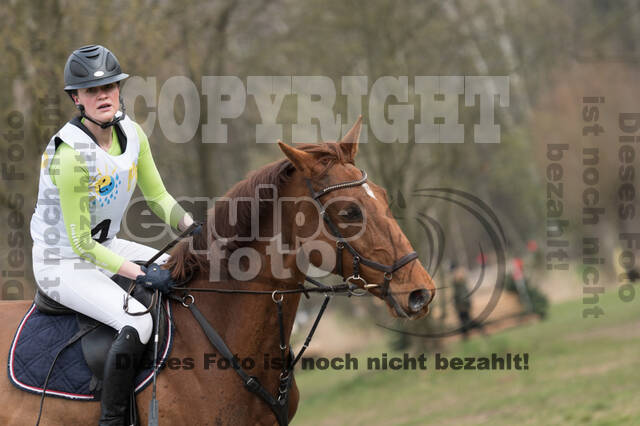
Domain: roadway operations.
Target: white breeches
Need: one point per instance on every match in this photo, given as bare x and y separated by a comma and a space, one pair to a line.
88, 289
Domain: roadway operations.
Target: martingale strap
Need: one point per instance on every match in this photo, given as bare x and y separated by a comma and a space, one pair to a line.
279, 405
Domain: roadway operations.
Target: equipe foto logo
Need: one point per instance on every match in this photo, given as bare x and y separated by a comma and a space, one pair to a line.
467, 208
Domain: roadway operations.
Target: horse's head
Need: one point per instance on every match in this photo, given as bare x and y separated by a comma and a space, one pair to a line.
371, 250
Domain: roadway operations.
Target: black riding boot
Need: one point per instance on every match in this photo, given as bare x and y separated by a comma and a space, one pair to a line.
119, 372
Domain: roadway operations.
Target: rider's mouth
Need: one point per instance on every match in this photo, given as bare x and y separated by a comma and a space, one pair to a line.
104, 107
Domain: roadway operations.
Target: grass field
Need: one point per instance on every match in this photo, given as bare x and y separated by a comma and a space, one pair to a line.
581, 371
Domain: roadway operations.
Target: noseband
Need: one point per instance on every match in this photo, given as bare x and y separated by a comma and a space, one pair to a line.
342, 243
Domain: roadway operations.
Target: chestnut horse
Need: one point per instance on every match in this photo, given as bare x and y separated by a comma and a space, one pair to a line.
195, 391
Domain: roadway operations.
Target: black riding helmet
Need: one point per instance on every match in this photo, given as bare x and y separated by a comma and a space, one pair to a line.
93, 66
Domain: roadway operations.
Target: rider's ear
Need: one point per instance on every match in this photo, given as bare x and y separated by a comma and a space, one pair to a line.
302, 161
349, 142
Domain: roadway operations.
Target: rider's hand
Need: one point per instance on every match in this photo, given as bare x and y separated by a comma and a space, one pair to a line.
156, 277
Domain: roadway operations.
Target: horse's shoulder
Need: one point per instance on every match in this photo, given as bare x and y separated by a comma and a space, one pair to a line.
16, 303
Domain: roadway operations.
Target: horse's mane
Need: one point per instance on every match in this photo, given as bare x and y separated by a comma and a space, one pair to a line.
187, 258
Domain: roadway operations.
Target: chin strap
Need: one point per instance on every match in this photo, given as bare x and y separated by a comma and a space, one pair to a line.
119, 116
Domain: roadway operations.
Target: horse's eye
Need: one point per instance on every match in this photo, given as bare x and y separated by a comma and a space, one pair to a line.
352, 212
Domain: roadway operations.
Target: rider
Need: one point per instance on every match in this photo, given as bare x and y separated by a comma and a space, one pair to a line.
89, 171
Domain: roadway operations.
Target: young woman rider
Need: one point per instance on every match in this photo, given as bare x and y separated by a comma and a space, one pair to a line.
89, 171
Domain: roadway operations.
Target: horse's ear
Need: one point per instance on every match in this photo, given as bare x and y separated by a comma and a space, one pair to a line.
349, 142
302, 161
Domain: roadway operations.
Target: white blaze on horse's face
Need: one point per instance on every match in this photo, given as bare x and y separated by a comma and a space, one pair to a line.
368, 190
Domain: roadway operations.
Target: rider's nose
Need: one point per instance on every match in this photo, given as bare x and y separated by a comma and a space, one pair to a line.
418, 299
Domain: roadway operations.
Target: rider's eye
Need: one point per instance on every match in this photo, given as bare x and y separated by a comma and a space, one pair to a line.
352, 212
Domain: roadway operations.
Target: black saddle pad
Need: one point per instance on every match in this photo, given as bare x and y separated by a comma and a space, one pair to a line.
38, 340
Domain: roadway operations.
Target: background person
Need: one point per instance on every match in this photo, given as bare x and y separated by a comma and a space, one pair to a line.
462, 300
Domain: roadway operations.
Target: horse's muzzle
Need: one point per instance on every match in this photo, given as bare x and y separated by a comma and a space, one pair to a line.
418, 299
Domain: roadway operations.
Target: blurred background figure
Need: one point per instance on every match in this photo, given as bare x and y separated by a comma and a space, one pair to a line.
462, 299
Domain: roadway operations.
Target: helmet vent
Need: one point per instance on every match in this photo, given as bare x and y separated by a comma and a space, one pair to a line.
78, 69
111, 62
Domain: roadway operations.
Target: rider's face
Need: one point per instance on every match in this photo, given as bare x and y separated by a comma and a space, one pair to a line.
100, 103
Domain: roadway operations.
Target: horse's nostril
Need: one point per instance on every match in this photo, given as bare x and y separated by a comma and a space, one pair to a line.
417, 299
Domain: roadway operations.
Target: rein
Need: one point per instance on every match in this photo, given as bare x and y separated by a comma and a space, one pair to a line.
125, 306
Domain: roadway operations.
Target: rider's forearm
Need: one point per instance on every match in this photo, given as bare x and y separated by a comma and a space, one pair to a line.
130, 270
185, 222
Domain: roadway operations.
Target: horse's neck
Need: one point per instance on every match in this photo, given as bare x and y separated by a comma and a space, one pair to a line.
249, 323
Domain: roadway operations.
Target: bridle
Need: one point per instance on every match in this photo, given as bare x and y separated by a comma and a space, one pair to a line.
342, 243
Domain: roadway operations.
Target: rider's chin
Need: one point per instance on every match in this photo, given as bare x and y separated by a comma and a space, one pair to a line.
105, 117
105, 113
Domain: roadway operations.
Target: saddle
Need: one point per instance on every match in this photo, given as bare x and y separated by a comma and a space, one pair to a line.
50, 329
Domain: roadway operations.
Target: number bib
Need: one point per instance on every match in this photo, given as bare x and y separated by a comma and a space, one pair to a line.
112, 180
